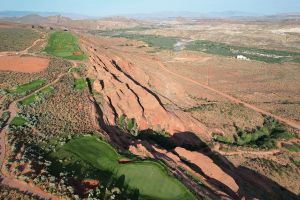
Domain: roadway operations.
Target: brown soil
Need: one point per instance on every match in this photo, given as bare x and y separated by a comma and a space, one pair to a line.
24, 64
76, 53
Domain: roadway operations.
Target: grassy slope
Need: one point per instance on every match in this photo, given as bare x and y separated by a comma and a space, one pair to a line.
16, 39
149, 177
64, 44
268, 56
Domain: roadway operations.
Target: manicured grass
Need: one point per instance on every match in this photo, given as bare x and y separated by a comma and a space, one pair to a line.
150, 178
36, 97
264, 55
64, 44
16, 39
46, 90
31, 86
80, 83
18, 121
29, 100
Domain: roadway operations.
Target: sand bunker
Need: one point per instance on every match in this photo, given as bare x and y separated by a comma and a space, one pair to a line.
23, 64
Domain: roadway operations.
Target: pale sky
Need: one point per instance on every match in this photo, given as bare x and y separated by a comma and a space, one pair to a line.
115, 7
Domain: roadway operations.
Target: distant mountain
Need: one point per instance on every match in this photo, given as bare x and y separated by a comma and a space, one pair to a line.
37, 19
192, 15
86, 24
9, 14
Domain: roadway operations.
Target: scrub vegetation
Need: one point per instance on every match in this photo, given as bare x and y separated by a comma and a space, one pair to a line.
16, 39
264, 55
262, 137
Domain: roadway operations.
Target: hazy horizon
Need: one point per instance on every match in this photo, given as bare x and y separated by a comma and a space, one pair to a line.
102, 8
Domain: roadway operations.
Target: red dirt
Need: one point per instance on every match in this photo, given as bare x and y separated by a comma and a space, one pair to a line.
208, 167
233, 99
91, 184
76, 53
23, 64
114, 79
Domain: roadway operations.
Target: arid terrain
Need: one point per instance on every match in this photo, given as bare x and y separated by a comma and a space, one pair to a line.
129, 109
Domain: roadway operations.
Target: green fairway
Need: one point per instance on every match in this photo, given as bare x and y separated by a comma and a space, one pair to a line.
29, 100
64, 44
36, 97
79, 84
27, 87
150, 178
18, 121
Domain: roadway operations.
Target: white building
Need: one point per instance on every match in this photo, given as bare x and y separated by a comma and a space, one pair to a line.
241, 57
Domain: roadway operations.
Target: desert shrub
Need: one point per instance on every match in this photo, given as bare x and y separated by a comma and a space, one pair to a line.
80, 84
57, 114
264, 55
16, 39
222, 139
262, 137
9, 193
161, 138
3, 119
127, 124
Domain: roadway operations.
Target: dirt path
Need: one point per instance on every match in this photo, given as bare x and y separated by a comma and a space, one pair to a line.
34, 43
10, 181
241, 152
25, 51
27, 188
231, 98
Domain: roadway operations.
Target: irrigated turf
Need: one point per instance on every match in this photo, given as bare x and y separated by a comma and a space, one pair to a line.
36, 97
18, 121
29, 100
27, 87
149, 177
64, 44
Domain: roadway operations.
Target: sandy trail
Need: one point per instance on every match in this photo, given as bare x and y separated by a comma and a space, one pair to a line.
34, 43
242, 153
231, 98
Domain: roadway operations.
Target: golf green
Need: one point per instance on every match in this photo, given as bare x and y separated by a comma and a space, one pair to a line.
149, 177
